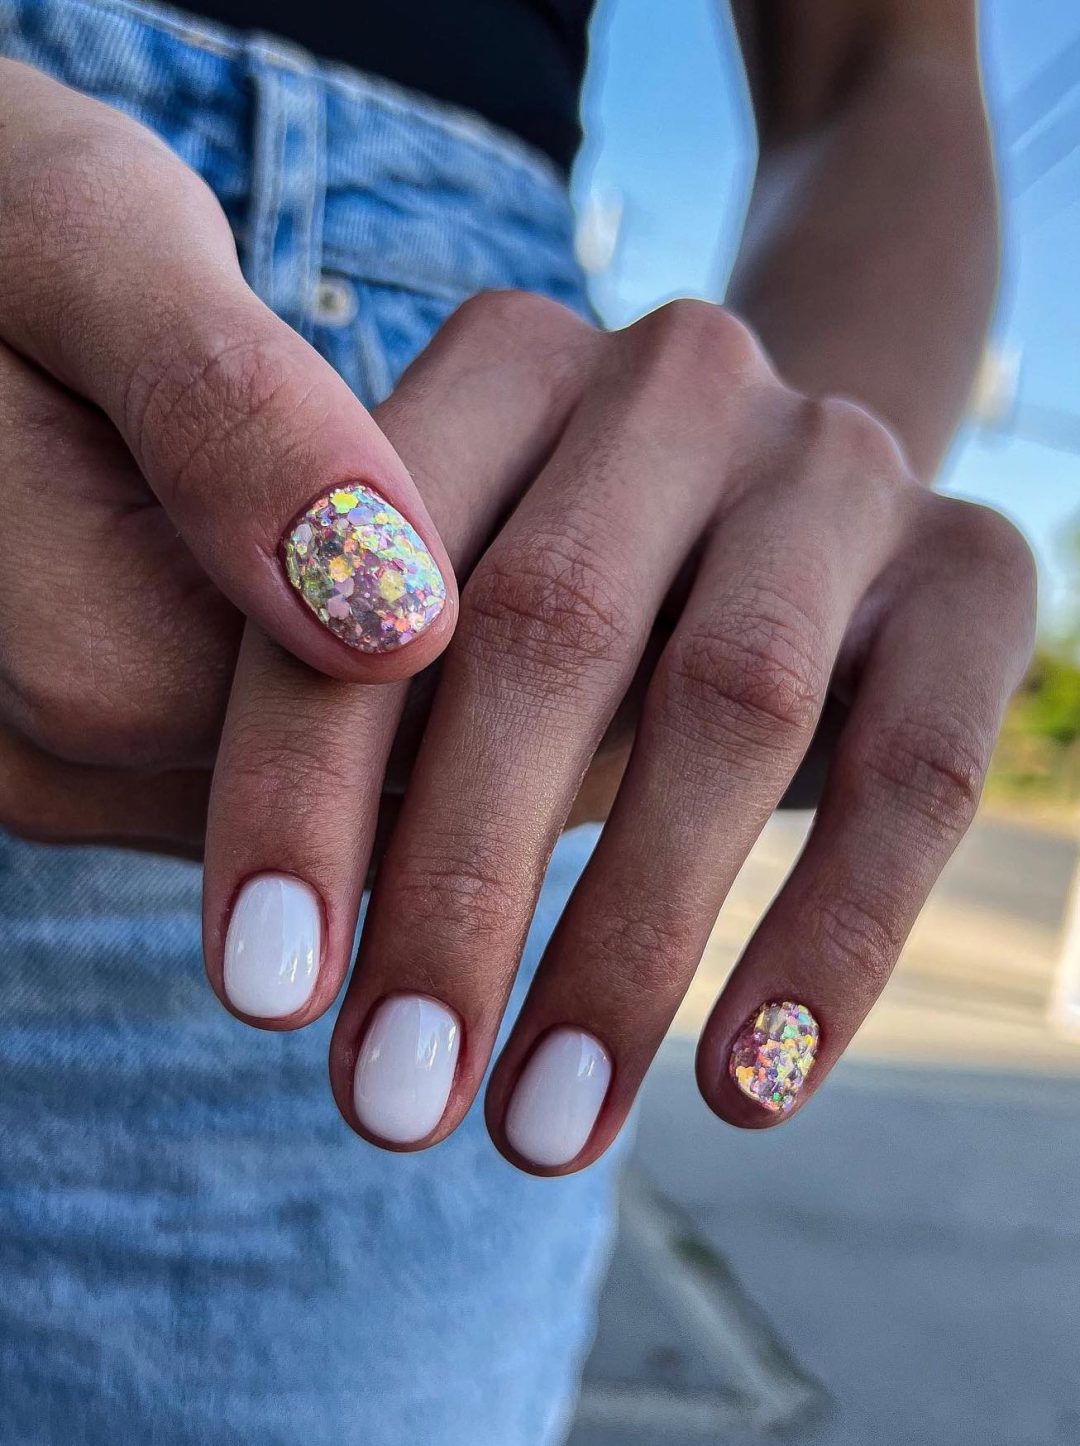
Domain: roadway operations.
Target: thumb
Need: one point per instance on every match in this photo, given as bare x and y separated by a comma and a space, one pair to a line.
120, 278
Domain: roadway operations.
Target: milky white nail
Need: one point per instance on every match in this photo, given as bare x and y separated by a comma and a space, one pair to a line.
405, 1068
558, 1097
273, 946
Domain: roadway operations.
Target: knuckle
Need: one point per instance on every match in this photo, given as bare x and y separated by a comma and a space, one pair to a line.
81, 719
231, 392
992, 571
543, 338
46, 703
269, 769
749, 685
865, 934
117, 691
78, 179
849, 459
463, 909
841, 428
68, 190
460, 895
990, 542
546, 605
689, 340
935, 765
99, 729
70, 193
651, 949
510, 313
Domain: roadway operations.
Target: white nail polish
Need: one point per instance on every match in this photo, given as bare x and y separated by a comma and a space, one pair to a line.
405, 1069
558, 1097
273, 946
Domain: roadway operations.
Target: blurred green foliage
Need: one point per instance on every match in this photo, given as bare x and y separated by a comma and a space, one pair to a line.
1038, 754
1048, 704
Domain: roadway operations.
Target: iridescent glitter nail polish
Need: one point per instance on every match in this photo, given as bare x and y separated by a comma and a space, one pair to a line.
363, 570
773, 1055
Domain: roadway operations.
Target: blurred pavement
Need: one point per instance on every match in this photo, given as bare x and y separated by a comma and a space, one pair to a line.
900, 1265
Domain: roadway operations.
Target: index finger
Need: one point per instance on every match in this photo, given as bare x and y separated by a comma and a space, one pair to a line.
296, 798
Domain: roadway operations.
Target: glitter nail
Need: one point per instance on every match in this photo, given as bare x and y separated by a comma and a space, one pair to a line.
363, 570
773, 1055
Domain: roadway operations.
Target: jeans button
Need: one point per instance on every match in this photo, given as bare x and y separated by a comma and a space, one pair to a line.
335, 302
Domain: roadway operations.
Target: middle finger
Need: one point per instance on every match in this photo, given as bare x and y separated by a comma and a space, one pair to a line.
553, 623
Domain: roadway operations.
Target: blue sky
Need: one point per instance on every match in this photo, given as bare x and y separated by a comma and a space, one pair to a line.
668, 135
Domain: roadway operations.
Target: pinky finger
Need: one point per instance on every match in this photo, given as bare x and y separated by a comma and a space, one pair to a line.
903, 787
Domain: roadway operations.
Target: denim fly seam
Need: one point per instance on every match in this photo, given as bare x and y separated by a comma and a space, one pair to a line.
194, 1250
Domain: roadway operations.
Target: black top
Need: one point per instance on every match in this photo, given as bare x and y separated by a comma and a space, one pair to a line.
518, 62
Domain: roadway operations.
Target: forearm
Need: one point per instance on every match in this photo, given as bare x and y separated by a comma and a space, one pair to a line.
870, 257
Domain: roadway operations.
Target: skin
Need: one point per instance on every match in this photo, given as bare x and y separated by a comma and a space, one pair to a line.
702, 564
122, 301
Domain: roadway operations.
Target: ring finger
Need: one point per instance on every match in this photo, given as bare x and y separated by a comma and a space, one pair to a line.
730, 712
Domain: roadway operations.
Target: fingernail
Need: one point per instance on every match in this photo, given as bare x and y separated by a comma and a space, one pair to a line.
273, 946
556, 1101
774, 1054
405, 1069
363, 570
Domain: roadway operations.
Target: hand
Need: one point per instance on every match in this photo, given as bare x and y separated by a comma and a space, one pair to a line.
596, 489
160, 432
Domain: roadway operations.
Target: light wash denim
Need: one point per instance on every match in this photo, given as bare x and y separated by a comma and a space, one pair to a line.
193, 1246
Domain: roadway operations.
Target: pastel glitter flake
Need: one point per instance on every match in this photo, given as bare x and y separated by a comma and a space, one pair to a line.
363, 570
772, 1057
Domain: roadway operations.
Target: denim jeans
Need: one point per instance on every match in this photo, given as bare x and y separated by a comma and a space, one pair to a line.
193, 1246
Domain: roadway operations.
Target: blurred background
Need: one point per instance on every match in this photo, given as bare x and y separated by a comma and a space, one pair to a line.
900, 1264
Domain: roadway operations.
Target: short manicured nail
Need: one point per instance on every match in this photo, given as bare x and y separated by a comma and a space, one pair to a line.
773, 1055
556, 1101
273, 946
405, 1069
363, 570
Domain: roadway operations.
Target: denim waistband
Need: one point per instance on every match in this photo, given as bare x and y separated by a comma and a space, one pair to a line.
260, 113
